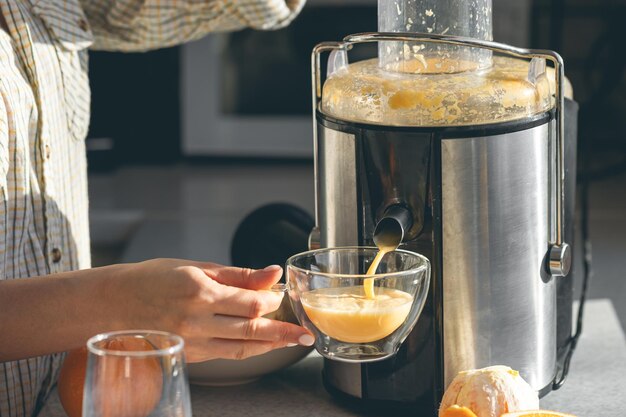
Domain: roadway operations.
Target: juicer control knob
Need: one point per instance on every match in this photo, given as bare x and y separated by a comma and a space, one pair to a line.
560, 260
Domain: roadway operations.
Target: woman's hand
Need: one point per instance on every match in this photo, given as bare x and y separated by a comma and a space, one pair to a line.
217, 310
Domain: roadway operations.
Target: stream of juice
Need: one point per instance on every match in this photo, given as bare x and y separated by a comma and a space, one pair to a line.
368, 283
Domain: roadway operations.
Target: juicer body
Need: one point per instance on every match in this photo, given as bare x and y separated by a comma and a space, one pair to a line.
482, 203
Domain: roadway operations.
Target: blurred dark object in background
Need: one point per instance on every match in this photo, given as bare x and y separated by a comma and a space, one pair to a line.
270, 235
135, 109
591, 37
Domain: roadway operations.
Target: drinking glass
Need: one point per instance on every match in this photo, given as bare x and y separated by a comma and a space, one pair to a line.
136, 374
325, 288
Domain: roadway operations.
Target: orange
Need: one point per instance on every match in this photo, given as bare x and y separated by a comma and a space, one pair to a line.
71, 381
537, 413
127, 388
456, 411
490, 391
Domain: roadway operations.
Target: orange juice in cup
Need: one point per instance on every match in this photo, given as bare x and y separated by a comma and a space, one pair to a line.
358, 316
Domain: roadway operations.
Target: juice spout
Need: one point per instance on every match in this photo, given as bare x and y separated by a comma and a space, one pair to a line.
391, 229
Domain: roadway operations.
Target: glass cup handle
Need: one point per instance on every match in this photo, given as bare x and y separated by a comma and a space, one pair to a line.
279, 288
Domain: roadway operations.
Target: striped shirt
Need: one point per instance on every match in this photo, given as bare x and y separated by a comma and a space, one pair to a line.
44, 117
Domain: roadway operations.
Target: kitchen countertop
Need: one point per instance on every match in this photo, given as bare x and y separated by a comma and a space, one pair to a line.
596, 386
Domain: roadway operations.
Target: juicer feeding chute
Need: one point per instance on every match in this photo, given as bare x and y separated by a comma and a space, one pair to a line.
466, 18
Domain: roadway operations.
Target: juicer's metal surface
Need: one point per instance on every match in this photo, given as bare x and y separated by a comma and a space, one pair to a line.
499, 302
498, 299
338, 192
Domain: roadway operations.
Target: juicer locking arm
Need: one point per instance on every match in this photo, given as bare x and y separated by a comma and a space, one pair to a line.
316, 84
559, 254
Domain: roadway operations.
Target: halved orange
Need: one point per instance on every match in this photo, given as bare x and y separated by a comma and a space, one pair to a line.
537, 413
456, 411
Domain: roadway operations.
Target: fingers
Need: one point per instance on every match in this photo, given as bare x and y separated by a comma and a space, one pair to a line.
232, 349
259, 279
232, 301
261, 329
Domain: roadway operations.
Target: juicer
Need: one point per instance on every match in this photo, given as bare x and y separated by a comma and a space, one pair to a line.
466, 148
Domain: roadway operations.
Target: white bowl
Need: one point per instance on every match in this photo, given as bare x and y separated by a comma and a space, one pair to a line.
223, 372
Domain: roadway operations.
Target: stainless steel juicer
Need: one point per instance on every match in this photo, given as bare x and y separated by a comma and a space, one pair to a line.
467, 149
469, 146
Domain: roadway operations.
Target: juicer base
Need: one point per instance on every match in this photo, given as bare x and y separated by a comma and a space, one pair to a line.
366, 406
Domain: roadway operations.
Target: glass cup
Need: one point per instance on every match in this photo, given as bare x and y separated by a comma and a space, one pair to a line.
325, 288
136, 374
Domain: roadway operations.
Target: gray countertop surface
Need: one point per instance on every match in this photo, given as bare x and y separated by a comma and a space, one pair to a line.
596, 386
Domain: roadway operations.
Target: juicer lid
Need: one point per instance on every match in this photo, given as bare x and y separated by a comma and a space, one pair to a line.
436, 90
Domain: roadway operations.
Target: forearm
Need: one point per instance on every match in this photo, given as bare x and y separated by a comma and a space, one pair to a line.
133, 25
55, 313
